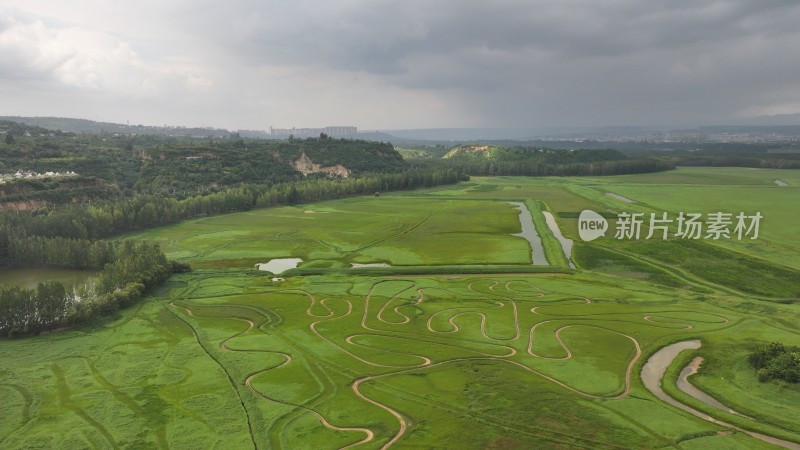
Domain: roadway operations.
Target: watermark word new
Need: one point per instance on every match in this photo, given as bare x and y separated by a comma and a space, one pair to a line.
717, 225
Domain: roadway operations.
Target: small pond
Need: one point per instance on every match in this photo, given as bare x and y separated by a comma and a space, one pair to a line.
30, 278
279, 265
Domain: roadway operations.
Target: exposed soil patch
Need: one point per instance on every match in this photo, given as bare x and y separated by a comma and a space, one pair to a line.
619, 197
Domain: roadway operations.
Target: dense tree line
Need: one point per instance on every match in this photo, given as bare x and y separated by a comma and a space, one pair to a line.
540, 161
39, 251
533, 168
537, 168
132, 268
324, 189
761, 161
32, 310
776, 361
765, 156
101, 220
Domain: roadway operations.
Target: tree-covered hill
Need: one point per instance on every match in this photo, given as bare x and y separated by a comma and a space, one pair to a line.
189, 167
34, 164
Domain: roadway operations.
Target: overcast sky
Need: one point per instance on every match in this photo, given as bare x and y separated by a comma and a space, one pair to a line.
390, 64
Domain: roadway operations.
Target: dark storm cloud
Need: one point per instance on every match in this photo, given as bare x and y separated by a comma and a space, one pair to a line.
582, 62
625, 57
368, 35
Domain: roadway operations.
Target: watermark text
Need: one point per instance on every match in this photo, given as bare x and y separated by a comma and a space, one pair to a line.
715, 226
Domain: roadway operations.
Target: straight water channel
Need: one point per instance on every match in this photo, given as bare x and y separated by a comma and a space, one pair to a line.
566, 244
530, 234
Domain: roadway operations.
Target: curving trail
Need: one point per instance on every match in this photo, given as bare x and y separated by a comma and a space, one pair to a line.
583, 300
313, 328
483, 319
662, 319
400, 419
369, 434
425, 360
396, 309
383, 315
539, 291
654, 319
452, 315
628, 370
558, 339
312, 303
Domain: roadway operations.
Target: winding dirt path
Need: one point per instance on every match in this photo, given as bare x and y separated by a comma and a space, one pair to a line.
356, 386
322, 313
313, 328
558, 339
369, 434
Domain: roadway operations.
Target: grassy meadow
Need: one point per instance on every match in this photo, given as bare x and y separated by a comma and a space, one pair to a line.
226, 358
388, 229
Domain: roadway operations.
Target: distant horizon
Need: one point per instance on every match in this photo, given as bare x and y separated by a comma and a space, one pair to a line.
518, 129
730, 133
751, 122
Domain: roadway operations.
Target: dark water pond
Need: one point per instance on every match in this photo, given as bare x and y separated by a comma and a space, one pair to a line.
29, 278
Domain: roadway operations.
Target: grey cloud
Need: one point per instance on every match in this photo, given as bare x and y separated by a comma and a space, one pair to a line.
501, 46
505, 61
358, 35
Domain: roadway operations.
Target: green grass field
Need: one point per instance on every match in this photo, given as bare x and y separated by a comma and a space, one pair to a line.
225, 358
728, 190
388, 229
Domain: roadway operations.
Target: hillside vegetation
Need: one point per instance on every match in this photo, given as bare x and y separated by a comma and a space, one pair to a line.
34, 161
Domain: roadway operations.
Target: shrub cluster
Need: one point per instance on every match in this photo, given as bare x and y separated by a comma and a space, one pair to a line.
776, 361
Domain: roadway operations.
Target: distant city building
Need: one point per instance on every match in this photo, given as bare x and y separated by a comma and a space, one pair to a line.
313, 132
